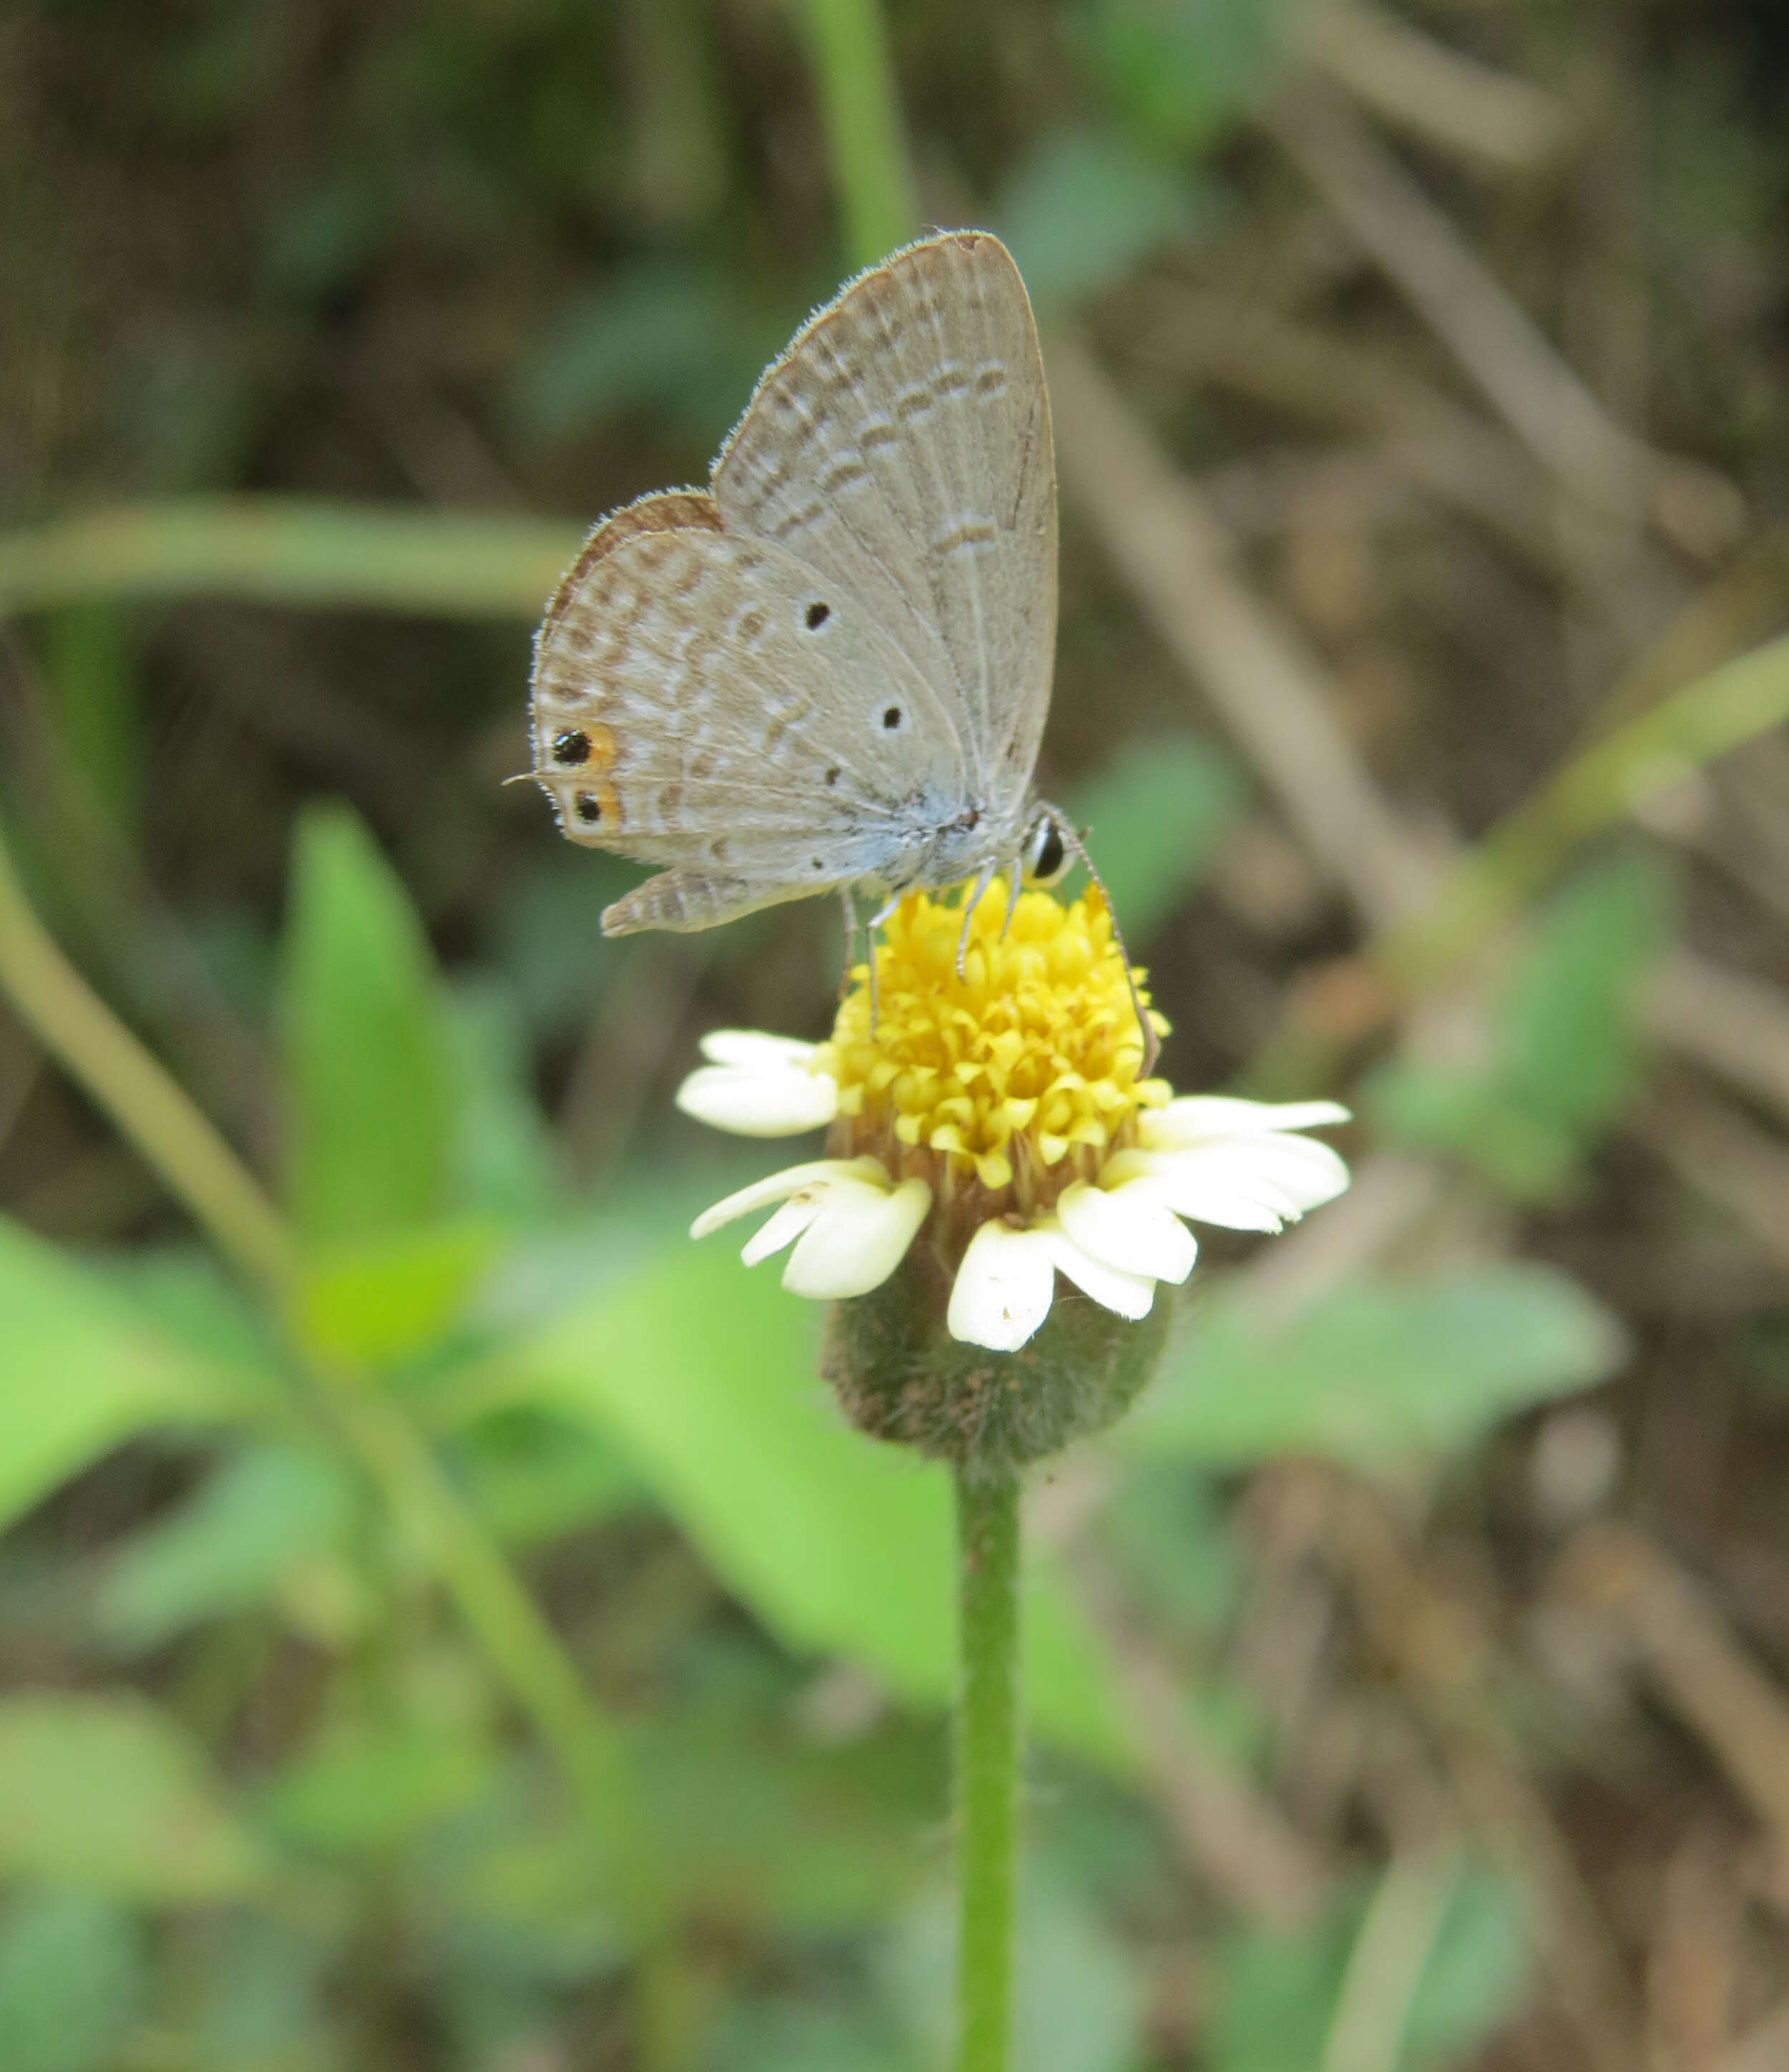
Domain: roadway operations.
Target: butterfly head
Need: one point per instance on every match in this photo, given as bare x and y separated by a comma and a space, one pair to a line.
1045, 853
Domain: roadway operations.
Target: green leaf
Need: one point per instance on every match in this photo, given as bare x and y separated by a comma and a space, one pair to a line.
386, 1299
365, 1052
71, 1981
188, 1295
1568, 1032
81, 1371
1470, 1116
790, 2036
1170, 1537
505, 1164
108, 1794
531, 1476
1078, 1998
664, 339
1375, 1371
1477, 1970
373, 1792
704, 1374
262, 1514
1155, 816
1181, 72
262, 2003
90, 678
1087, 207
763, 1830
1279, 1991
1563, 1046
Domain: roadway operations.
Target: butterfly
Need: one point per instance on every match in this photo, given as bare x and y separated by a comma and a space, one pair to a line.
829, 670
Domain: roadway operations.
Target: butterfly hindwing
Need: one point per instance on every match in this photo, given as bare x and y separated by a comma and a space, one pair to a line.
706, 702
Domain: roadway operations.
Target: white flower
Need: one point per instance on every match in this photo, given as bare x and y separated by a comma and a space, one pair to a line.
1109, 1220
759, 1086
850, 1224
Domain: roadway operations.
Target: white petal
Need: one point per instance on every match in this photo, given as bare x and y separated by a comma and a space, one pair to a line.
860, 1236
1244, 1183
1129, 1227
754, 1047
788, 1223
1128, 1294
1003, 1288
767, 1097
779, 1186
1198, 1118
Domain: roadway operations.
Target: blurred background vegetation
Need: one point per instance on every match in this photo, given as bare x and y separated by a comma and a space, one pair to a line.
442, 1623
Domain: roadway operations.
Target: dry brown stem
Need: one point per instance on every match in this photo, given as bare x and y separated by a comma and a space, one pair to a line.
1764, 2047
1447, 1666
1692, 1966
1733, 1024
1498, 345
1423, 438
1702, 1672
1268, 688
1232, 1837
1279, 701
1715, 1150
1440, 95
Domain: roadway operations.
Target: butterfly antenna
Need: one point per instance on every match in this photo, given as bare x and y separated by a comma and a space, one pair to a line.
520, 777
1152, 1044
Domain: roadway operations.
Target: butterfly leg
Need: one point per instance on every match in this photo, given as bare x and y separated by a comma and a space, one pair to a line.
876, 921
1014, 878
969, 905
850, 938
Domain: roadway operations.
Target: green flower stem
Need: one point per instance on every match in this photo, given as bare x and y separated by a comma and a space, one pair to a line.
987, 1763
860, 105
150, 1110
290, 550
199, 1168
1593, 792
517, 1641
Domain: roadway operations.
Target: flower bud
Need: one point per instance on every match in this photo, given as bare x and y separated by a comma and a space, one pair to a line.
899, 1374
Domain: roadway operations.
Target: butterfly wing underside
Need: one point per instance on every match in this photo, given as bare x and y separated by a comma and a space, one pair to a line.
702, 701
769, 689
901, 447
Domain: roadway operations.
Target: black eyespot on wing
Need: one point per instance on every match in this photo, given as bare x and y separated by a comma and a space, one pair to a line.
891, 717
589, 807
819, 863
817, 614
833, 774
571, 748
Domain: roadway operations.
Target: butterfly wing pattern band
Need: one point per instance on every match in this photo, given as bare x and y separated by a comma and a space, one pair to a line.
832, 668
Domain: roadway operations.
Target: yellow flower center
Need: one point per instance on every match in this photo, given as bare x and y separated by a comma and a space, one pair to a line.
1013, 1080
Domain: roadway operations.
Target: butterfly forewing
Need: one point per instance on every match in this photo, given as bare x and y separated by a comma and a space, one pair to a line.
799, 681
902, 446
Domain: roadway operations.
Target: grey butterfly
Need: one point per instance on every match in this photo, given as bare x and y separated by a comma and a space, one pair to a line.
831, 669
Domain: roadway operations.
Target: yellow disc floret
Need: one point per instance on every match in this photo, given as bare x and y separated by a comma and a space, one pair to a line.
1009, 1082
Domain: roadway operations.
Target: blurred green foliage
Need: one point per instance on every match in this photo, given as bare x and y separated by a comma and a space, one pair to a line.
1281, 1992
1561, 1050
578, 1372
